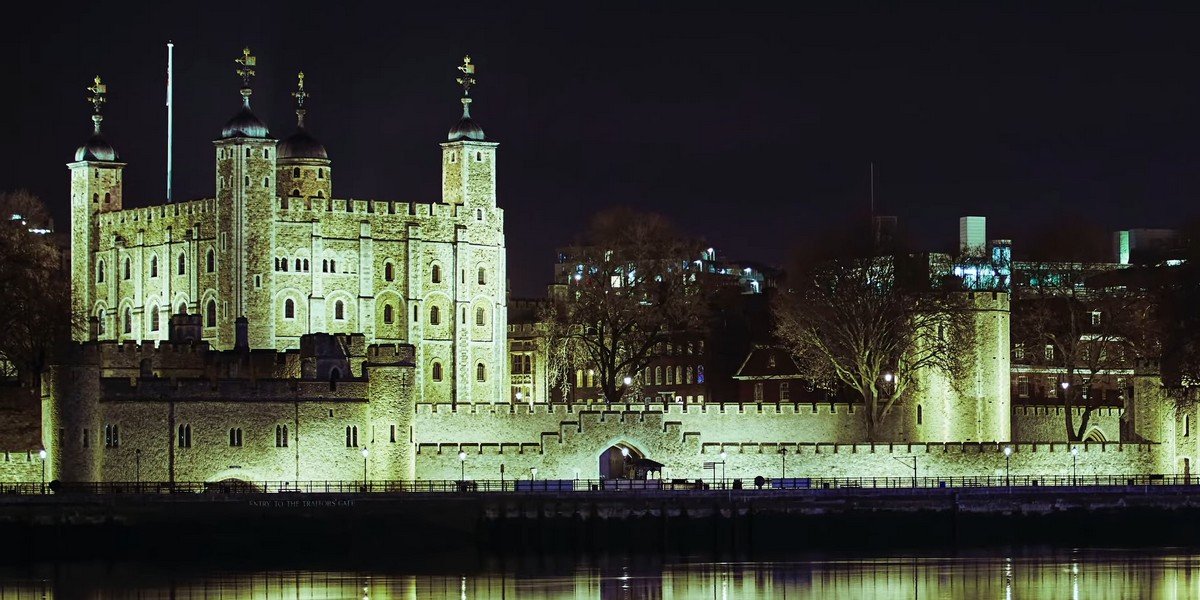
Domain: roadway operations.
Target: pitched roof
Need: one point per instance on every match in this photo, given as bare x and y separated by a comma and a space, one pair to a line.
768, 362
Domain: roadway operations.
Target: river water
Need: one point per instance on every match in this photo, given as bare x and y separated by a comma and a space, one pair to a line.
1000, 574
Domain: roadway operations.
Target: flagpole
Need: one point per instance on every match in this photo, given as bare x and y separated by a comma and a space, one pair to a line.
170, 114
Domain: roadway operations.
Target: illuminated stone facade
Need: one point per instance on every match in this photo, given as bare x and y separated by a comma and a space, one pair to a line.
273, 245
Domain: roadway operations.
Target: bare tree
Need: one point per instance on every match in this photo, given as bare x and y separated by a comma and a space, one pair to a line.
632, 288
35, 290
1082, 328
852, 322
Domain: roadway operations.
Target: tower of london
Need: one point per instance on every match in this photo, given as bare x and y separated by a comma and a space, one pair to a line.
275, 246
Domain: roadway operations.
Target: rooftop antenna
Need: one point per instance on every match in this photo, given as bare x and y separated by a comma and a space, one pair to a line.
170, 114
872, 189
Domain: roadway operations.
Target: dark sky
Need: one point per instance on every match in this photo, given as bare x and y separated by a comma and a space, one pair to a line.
752, 127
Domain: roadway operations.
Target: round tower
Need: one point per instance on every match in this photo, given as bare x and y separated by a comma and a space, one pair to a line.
303, 164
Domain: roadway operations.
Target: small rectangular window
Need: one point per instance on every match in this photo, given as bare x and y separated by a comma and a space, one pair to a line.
1022, 386
1051, 387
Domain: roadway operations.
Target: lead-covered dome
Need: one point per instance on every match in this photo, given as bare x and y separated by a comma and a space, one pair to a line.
96, 148
245, 125
466, 129
301, 145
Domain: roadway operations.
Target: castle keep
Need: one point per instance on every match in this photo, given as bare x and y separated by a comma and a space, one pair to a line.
276, 247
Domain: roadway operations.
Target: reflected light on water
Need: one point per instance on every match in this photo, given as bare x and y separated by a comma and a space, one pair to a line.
1083, 574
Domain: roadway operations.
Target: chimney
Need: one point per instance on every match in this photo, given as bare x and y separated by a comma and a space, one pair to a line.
241, 329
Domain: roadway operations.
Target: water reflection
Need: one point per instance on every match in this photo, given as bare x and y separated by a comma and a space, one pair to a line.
1077, 574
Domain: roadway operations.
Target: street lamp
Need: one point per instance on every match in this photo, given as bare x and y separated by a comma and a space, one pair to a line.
532, 473
1007, 465
520, 396
462, 465
364, 453
42, 455
782, 465
888, 377
1074, 462
628, 380
625, 463
723, 457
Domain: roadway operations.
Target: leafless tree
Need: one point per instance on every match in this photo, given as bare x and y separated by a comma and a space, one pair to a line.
35, 290
1082, 327
632, 288
851, 321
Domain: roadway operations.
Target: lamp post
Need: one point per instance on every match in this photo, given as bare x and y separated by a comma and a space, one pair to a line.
364, 453
1007, 465
462, 465
1074, 462
625, 463
532, 473
782, 464
723, 457
42, 455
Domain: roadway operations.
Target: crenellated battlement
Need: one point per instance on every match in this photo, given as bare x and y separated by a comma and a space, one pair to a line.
153, 213
312, 206
123, 389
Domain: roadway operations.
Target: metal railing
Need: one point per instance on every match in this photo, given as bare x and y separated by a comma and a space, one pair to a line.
543, 486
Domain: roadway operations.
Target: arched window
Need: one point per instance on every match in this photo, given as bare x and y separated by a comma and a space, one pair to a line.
320, 194
333, 265
478, 157
325, 266
434, 315
389, 272
95, 198
295, 171
482, 276
306, 265
266, 182
920, 415
700, 372
297, 265
785, 393
247, 181
281, 436
678, 374
690, 374
437, 371
480, 317
295, 193
247, 153
480, 372
107, 197
352, 436
125, 271
210, 314
388, 317
100, 272
210, 261
283, 263
100, 322
289, 309
320, 173
154, 319
479, 214
658, 376
154, 266
670, 376
185, 436
182, 308
128, 320
182, 264
435, 274
578, 378
235, 437
339, 310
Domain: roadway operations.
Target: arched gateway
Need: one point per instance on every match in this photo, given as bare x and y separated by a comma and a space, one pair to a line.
623, 461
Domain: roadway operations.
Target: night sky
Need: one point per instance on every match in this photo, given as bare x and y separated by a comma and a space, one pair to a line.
752, 128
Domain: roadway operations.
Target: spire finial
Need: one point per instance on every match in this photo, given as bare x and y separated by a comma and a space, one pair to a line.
466, 81
245, 70
98, 96
300, 95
